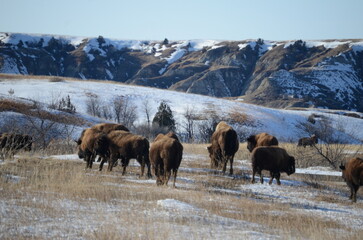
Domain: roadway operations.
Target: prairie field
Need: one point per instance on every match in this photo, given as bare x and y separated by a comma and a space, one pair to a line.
46, 196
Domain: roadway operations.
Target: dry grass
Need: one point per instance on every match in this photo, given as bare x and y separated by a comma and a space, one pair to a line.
46, 198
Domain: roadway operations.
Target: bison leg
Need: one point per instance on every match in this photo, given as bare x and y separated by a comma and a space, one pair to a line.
159, 175
277, 176
148, 170
271, 177
103, 160
167, 175
353, 191
111, 162
231, 166
142, 169
253, 175
224, 166
175, 172
261, 177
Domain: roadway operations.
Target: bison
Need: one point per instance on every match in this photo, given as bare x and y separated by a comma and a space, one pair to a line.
273, 159
12, 142
92, 143
166, 153
224, 146
105, 128
352, 173
308, 141
126, 145
262, 139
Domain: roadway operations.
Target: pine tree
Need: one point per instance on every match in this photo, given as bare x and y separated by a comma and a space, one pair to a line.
164, 117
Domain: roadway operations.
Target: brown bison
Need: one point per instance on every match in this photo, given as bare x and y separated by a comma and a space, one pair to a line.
308, 141
262, 139
224, 146
92, 143
126, 145
273, 159
166, 153
105, 128
10, 143
352, 173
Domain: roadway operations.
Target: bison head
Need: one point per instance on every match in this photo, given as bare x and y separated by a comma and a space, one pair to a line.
291, 168
215, 156
342, 167
251, 142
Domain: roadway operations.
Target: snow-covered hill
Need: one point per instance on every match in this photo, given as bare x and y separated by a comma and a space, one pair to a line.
326, 73
281, 123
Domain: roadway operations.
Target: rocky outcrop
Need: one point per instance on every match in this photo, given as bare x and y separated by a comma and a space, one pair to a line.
299, 73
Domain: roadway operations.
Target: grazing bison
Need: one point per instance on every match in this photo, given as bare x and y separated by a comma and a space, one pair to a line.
273, 159
165, 156
308, 141
12, 142
352, 173
92, 143
126, 145
105, 128
224, 146
262, 139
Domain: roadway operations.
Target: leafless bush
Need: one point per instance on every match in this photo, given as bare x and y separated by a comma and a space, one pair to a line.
332, 147
124, 111
242, 123
93, 105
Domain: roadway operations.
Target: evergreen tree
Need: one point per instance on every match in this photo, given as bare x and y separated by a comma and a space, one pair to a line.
164, 117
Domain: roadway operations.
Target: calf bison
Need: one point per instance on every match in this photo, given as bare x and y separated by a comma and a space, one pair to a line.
166, 153
308, 141
126, 145
262, 139
352, 173
10, 143
92, 143
273, 159
224, 146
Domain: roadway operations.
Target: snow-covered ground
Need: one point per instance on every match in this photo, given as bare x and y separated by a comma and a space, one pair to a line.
281, 123
177, 213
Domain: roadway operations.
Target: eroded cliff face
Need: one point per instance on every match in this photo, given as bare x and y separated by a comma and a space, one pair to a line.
325, 73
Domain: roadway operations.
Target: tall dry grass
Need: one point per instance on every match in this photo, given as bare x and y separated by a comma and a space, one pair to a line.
62, 200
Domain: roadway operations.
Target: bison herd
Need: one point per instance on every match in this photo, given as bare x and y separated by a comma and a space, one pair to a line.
113, 142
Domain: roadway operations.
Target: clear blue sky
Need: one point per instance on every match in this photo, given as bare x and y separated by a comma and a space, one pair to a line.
186, 19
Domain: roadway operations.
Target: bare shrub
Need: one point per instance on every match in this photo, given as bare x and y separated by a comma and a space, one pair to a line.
93, 105
124, 111
332, 148
242, 123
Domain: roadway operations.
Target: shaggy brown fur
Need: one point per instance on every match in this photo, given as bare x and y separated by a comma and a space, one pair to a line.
273, 159
93, 143
126, 145
105, 128
166, 153
308, 141
224, 146
108, 127
10, 143
262, 139
352, 173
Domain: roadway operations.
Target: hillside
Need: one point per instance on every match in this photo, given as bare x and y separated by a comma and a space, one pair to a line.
281, 123
324, 74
